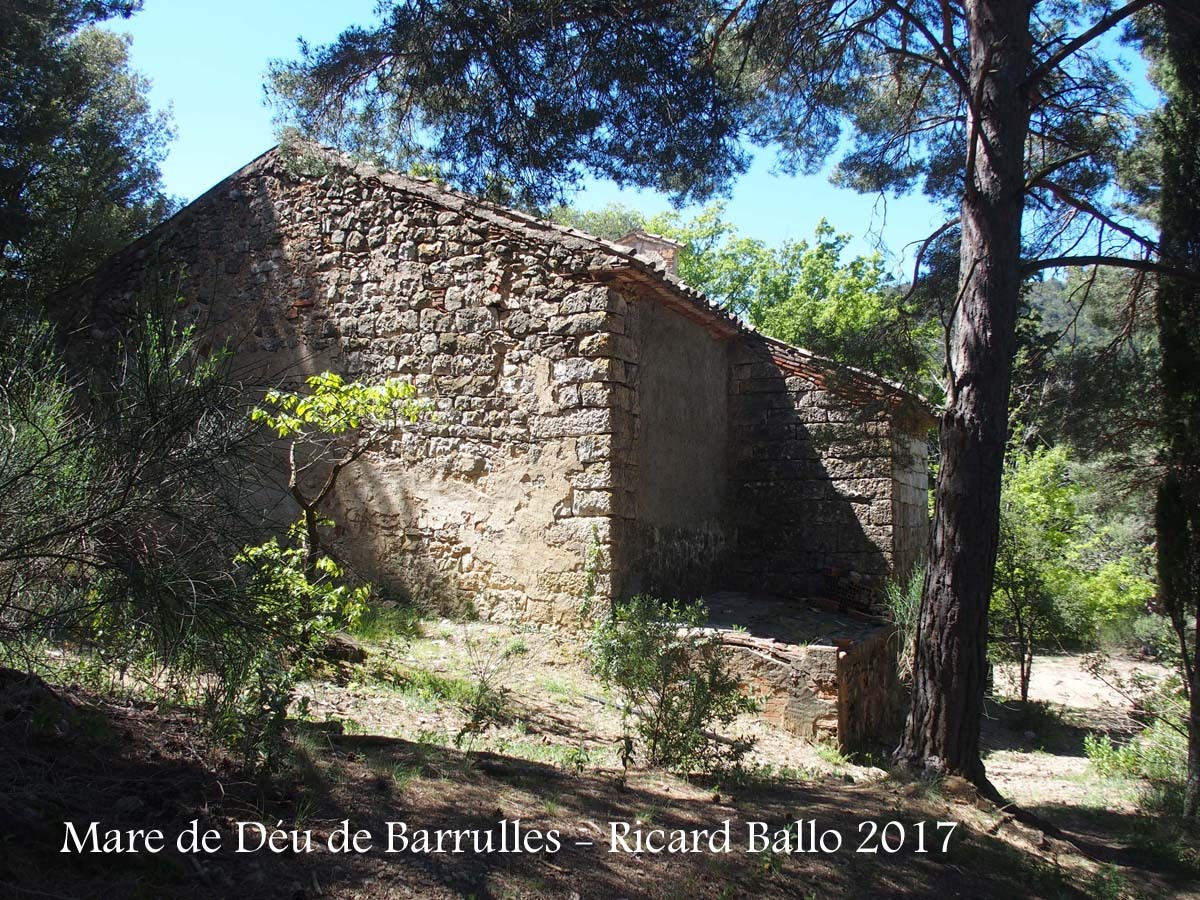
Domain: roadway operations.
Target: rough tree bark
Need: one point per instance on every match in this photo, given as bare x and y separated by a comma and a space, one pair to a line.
942, 731
1177, 307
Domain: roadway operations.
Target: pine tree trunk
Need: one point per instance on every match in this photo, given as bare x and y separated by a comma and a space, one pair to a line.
942, 731
1177, 306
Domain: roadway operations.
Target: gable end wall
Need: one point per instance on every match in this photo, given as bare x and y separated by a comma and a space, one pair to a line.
497, 499
818, 482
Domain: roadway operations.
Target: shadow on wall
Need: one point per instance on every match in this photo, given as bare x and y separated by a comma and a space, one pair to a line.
240, 261
680, 451
374, 277
812, 477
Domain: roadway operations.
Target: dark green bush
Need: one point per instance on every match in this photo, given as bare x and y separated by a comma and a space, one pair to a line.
674, 682
123, 538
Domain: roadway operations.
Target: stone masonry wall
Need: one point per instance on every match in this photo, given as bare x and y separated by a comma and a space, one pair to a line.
679, 454
812, 483
581, 396
870, 697
374, 276
910, 501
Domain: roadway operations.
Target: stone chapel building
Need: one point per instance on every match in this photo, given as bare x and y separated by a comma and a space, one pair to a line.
585, 396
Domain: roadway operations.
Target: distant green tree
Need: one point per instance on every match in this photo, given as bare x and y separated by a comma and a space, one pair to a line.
1038, 524
610, 222
731, 269
850, 311
799, 292
1065, 573
80, 144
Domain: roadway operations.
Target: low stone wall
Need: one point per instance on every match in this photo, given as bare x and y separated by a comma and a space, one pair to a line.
870, 697
796, 684
843, 692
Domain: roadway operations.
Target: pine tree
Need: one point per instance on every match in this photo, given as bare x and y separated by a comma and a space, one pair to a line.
1003, 110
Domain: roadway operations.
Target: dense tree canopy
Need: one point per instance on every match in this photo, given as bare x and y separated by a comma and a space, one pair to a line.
1177, 310
670, 95
79, 144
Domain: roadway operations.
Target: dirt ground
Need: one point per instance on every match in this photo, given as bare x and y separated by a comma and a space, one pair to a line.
1063, 680
379, 746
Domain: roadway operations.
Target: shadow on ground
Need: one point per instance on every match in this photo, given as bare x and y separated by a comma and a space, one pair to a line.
69, 756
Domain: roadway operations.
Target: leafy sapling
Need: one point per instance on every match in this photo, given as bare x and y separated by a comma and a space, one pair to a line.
327, 429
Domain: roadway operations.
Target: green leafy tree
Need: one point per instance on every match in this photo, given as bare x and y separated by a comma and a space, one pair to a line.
799, 292
847, 310
818, 297
730, 268
1007, 112
1065, 573
327, 429
1039, 524
81, 145
611, 221
1117, 592
291, 601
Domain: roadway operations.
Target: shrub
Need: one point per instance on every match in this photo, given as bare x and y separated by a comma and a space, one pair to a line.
487, 701
123, 475
903, 600
674, 682
302, 612
125, 472
245, 705
115, 522
1157, 755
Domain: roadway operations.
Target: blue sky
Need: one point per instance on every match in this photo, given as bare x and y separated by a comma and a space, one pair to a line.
207, 58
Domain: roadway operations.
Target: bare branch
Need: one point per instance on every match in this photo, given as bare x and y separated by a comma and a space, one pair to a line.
1095, 212
1118, 262
1098, 28
1038, 177
949, 66
921, 251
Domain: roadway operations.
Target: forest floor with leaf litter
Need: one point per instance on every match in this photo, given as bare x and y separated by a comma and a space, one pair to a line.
379, 745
